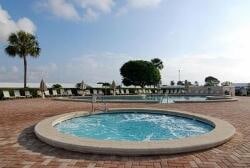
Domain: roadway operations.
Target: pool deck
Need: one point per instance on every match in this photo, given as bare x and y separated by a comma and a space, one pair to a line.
19, 146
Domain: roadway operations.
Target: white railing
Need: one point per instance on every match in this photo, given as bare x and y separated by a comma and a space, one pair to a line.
94, 100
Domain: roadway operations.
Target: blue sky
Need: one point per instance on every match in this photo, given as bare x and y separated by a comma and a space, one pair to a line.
90, 39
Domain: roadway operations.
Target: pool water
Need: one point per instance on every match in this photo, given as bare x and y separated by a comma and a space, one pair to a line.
171, 99
133, 126
158, 98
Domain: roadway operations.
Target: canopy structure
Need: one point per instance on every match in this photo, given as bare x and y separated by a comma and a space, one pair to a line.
43, 86
82, 85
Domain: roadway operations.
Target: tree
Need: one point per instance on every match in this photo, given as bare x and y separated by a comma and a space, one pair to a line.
187, 83
157, 63
211, 81
180, 83
104, 84
23, 44
140, 73
172, 83
57, 86
196, 83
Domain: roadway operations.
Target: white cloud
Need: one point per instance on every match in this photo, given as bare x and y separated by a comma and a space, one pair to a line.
100, 5
26, 24
96, 67
78, 9
48, 71
14, 69
143, 3
10, 73
90, 15
88, 10
7, 25
227, 58
91, 68
2, 69
137, 4
61, 8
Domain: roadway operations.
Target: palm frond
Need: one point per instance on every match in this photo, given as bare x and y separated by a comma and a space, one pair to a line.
11, 50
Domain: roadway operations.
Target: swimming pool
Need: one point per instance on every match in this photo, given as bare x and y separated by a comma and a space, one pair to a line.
133, 126
138, 98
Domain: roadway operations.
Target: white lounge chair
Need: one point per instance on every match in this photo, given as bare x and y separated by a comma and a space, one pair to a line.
54, 92
87, 92
175, 92
127, 91
122, 92
17, 94
139, 91
100, 92
69, 92
6, 95
80, 92
61, 92
143, 91
27, 94
39, 93
117, 92
47, 94
94, 92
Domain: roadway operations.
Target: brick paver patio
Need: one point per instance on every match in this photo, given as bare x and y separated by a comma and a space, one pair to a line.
20, 148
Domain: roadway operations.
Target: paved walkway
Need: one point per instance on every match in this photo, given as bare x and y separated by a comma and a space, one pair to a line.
20, 148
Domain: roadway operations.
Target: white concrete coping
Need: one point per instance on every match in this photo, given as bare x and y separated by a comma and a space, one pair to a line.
222, 132
209, 100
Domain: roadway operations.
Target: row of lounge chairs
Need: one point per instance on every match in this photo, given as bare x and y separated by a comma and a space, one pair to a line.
204, 92
175, 92
55, 93
127, 92
17, 94
68, 92
27, 94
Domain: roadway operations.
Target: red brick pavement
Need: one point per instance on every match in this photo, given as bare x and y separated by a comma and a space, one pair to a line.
20, 148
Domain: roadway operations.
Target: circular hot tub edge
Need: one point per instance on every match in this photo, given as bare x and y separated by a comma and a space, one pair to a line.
222, 132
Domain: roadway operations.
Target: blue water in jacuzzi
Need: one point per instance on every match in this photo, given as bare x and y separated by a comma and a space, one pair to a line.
133, 126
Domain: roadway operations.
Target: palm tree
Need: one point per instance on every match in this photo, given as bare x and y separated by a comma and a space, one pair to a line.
23, 44
157, 63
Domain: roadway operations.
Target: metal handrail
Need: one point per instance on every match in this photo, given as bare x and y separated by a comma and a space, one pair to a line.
164, 97
94, 100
